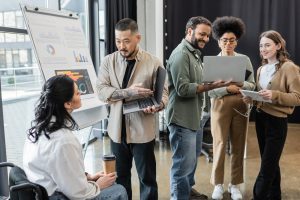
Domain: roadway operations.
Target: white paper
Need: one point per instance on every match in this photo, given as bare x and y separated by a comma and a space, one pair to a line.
254, 95
61, 48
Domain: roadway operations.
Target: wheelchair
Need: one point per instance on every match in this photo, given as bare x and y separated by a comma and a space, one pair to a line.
20, 188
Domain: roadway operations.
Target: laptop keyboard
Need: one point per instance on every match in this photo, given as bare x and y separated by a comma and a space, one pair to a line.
144, 103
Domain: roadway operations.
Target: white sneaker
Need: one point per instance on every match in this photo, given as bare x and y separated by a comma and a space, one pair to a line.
218, 192
235, 192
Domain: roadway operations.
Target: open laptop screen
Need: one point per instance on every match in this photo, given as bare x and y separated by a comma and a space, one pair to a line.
224, 68
159, 84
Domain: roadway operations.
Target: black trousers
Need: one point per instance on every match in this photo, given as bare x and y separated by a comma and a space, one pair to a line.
144, 158
271, 135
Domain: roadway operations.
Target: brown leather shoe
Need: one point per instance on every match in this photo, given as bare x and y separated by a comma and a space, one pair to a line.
195, 195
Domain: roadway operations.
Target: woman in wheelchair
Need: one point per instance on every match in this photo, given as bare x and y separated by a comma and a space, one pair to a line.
53, 155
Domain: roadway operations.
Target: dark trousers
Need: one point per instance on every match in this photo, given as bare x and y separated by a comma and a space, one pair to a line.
145, 163
271, 134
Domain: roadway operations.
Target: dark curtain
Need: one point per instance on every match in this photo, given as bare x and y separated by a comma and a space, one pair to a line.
258, 16
116, 10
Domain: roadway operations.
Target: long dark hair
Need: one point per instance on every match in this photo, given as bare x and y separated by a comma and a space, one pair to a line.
282, 55
50, 112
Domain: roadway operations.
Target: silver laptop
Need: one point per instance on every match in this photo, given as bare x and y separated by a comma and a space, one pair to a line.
224, 68
140, 104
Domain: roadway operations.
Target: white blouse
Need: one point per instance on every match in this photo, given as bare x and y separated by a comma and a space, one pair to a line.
266, 74
58, 165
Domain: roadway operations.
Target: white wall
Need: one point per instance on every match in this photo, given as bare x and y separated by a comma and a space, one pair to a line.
150, 22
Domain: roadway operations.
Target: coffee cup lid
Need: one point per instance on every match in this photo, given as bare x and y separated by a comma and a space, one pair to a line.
109, 157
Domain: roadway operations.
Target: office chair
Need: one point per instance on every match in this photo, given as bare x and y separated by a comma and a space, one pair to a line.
207, 142
20, 188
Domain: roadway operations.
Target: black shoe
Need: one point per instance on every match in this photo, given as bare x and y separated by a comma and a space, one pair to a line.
194, 194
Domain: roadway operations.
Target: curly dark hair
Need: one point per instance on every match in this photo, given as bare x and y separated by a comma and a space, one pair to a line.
227, 24
56, 91
282, 54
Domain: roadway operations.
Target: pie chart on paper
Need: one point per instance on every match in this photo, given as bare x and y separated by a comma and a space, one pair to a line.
50, 49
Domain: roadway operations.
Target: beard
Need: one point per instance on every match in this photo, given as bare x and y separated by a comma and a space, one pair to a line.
129, 54
195, 42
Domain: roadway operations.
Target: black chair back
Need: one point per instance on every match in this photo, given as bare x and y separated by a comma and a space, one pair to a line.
22, 189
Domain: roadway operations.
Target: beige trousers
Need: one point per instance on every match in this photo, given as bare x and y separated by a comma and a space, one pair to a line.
228, 123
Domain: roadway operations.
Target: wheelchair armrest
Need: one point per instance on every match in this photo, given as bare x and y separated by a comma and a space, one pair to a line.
24, 186
6, 164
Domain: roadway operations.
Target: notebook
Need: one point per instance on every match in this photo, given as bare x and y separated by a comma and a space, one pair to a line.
224, 68
140, 104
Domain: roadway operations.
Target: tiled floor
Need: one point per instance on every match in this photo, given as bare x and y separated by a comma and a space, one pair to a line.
290, 167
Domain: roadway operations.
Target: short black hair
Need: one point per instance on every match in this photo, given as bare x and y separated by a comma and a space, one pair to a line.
127, 24
194, 21
227, 24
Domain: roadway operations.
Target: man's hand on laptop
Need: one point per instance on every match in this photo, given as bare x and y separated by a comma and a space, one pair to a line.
239, 84
154, 109
220, 83
134, 91
138, 90
213, 85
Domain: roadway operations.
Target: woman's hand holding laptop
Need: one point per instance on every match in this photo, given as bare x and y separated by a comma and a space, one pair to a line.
233, 89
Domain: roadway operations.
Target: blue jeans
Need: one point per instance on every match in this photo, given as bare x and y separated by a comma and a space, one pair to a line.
184, 144
114, 192
199, 140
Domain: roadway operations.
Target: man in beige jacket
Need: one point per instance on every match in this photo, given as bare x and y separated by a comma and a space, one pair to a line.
128, 73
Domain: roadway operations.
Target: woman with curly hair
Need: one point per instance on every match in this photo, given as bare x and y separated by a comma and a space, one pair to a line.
53, 155
278, 80
228, 118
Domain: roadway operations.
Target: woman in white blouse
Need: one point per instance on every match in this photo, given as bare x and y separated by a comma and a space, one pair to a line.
53, 155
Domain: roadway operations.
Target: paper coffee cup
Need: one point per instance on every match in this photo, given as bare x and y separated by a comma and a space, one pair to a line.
109, 163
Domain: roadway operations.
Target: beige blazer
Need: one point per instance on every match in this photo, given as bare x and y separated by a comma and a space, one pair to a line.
140, 126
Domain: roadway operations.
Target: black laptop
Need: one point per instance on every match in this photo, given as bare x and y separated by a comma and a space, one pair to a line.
140, 104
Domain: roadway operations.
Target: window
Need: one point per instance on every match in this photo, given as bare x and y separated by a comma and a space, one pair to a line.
79, 7
102, 27
21, 79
